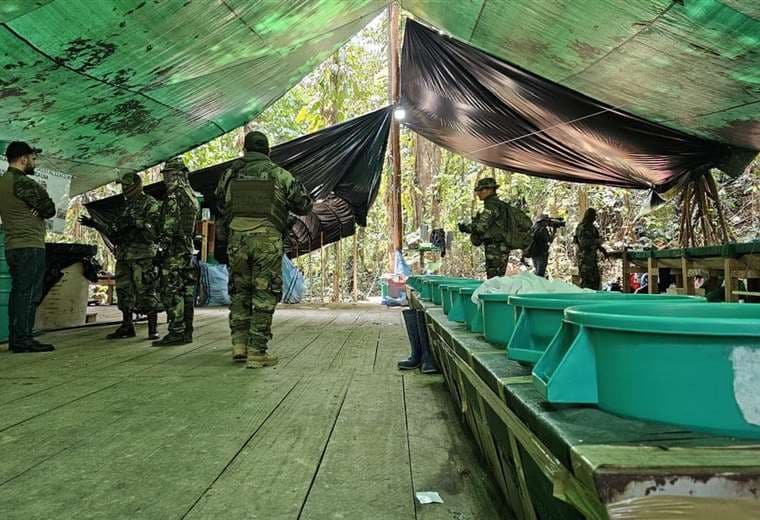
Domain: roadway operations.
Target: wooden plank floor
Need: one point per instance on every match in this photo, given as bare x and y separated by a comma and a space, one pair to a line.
119, 429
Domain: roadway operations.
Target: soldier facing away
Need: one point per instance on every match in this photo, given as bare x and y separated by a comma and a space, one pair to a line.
254, 198
588, 242
488, 227
176, 229
134, 236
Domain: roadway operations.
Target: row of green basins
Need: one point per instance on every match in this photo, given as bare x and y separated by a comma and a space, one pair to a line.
5, 289
665, 358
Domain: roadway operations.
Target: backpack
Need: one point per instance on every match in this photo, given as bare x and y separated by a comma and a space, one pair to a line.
518, 228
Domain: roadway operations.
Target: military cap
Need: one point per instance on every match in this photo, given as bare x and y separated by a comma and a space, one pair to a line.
175, 164
18, 149
485, 183
256, 142
128, 179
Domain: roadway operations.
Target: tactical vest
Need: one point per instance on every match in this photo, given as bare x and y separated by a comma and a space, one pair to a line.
253, 198
188, 212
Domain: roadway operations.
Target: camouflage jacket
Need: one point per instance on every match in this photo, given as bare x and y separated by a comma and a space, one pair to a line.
20, 198
289, 195
176, 224
134, 232
587, 238
489, 225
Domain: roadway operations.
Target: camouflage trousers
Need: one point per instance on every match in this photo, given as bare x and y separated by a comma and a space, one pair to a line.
497, 258
255, 286
588, 270
136, 283
177, 291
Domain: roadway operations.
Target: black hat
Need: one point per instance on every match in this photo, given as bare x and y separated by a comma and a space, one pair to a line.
18, 149
256, 142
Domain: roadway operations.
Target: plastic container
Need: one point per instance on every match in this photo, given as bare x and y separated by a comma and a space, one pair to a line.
498, 318
395, 288
5, 289
426, 287
696, 366
470, 308
538, 317
459, 300
450, 289
65, 305
435, 287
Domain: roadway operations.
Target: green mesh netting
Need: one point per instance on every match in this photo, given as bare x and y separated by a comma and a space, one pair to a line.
693, 65
107, 84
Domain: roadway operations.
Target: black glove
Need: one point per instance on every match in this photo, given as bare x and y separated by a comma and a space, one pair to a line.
464, 228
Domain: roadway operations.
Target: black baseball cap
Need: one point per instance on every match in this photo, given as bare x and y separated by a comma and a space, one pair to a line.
18, 149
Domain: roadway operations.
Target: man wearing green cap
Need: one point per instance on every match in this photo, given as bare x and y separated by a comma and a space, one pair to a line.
254, 197
489, 227
176, 230
24, 206
134, 234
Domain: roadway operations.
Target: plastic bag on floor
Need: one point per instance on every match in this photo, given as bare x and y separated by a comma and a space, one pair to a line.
292, 282
214, 285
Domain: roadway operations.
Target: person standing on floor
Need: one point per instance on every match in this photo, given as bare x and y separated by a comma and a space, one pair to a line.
24, 207
254, 197
176, 230
491, 227
134, 236
588, 241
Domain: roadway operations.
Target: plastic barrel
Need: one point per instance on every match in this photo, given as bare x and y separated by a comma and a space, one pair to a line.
692, 365
538, 317
5, 289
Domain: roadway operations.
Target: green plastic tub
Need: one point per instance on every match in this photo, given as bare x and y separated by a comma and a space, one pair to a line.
696, 366
426, 287
5, 289
435, 286
417, 281
471, 313
459, 298
449, 290
539, 316
498, 317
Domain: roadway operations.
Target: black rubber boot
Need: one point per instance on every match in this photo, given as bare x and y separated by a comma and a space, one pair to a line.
412, 330
126, 329
428, 364
153, 325
189, 314
171, 340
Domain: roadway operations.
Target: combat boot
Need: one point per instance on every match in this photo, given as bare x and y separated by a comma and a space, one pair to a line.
188, 318
261, 360
153, 325
428, 363
126, 329
239, 353
171, 339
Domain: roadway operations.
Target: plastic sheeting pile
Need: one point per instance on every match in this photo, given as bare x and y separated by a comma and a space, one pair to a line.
525, 282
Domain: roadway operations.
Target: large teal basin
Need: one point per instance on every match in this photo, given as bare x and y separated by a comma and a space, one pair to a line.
426, 288
449, 290
435, 285
498, 318
456, 303
539, 316
471, 315
696, 366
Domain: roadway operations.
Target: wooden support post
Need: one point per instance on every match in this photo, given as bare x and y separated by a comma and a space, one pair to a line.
355, 265
626, 271
686, 280
653, 275
336, 273
395, 148
322, 267
728, 280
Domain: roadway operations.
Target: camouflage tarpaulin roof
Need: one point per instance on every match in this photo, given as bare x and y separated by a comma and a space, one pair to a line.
106, 84
693, 65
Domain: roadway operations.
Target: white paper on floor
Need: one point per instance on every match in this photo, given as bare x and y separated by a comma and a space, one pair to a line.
429, 497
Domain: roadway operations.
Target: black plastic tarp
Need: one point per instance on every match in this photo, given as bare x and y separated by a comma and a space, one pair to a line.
340, 165
501, 115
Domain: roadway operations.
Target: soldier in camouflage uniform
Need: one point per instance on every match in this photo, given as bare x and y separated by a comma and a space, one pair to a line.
588, 242
133, 234
176, 230
488, 227
254, 198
